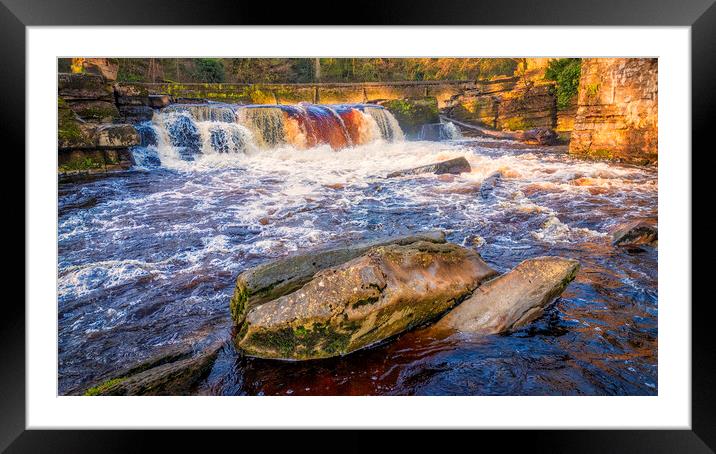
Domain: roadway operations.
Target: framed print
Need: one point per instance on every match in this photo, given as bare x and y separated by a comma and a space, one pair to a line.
446, 218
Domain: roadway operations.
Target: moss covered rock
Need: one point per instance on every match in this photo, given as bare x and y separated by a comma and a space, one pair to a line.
95, 111
271, 280
413, 113
84, 87
117, 136
382, 293
71, 131
168, 374
131, 95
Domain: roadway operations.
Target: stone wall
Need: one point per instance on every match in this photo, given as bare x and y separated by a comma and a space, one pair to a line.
512, 103
617, 110
325, 93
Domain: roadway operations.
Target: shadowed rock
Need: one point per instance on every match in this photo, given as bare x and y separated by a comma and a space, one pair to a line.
388, 290
453, 166
172, 373
490, 183
635, 234
274, 279
512, 300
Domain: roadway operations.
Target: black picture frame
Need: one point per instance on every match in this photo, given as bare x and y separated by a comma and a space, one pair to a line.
700, 15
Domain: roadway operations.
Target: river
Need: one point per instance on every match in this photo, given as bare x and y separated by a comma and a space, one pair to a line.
148, 259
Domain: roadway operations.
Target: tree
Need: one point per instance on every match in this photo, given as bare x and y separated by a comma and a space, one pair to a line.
317, 69
210, 70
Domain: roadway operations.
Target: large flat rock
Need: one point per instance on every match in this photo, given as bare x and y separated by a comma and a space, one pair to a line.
388, 290
271, 280
453, 166
512, 300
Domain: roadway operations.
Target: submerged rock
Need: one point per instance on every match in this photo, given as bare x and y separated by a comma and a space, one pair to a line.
638, 233
172, 373
388, 290
452, 166
539, 136
274, 279
489, 184
512, 300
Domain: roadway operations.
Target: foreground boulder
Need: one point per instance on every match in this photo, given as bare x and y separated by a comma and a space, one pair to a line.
452, 166
512, 300
172, 373
388, 290
274, 279
638, 233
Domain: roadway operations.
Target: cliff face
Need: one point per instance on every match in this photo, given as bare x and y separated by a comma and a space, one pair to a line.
617, 110
522, 102
89, 137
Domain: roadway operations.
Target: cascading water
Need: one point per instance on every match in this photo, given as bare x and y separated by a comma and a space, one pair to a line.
182, 132
387, 123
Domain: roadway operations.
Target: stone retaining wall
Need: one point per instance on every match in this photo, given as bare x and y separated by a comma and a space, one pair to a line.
325, 93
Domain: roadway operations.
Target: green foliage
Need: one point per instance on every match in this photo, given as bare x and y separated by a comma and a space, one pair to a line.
132, 70
593, 89
565, 72
210, 70
104, 387
302, 70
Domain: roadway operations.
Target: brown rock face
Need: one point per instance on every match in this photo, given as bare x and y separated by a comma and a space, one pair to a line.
388, 290
451, 166
271, 280
84, 87
105, 67
617, 114
513, 103
511, 300
636, 233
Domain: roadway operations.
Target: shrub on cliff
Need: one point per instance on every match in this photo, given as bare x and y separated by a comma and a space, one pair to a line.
565, 72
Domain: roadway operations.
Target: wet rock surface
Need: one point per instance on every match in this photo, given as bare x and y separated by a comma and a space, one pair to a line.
172, 373
635, 234
512, 300
452, 166
277, 278
388, 290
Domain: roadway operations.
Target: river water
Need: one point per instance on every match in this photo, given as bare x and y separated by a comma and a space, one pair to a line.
148, 259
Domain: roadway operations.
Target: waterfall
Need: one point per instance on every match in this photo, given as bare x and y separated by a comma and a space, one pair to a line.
440, 131
389, 128
185, 132
266, 123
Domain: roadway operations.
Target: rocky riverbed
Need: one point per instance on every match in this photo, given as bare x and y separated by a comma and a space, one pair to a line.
148, 260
